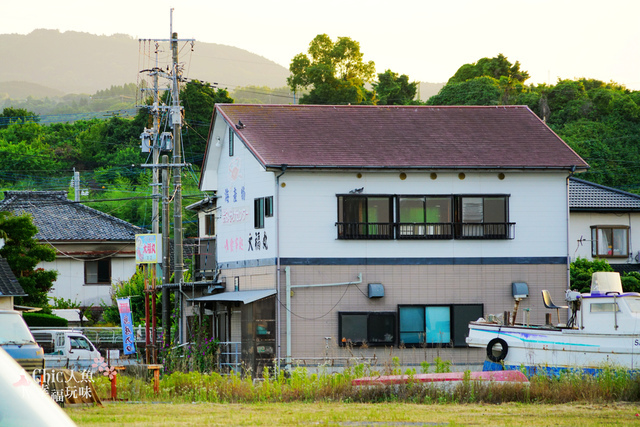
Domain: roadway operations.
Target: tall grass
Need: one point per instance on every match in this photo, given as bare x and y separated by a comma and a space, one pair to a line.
299, 385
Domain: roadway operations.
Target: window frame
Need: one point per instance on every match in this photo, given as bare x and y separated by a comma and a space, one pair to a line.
423, 331
370, 317
481, 229
460, 227
231, 142
365, 229
595, 237
209, 224
268, 207
104, 263
258, 213
459, 314
424, 229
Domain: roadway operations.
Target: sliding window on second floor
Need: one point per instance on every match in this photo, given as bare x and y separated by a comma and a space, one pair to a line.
424, 217
365, 217
482, 217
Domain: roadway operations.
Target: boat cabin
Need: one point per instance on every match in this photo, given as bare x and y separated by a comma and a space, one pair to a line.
606, 308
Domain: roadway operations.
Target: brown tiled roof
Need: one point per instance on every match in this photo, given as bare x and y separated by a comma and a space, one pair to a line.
328, 136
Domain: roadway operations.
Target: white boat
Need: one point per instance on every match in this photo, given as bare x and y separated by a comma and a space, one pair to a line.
603, 330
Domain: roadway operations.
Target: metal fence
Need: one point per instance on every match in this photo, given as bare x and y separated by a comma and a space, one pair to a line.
107, 335
229, 357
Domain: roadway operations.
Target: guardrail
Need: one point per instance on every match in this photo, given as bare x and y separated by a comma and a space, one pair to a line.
107, 335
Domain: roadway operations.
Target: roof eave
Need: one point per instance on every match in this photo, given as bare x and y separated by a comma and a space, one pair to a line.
278, 167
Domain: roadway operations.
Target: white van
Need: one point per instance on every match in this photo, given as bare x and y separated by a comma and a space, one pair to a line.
66, 349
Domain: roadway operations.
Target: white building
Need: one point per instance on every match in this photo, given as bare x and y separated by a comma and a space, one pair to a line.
381, 231
605, 224
93, 250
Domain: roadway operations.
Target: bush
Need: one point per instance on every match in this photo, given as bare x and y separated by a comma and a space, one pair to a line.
581, 271
41, 319
631, 281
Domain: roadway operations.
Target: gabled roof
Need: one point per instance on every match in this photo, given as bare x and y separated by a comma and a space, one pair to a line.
426, 137
9, 285
60, 219
588, 196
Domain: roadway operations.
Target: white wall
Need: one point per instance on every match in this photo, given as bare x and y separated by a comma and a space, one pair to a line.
580, 235
241, 179
537, 205
70, 282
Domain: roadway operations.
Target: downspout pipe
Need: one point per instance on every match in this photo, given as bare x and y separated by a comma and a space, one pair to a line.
283, 168
288, 288
572, 171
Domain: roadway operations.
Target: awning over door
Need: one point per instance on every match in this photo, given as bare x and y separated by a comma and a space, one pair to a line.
245, 297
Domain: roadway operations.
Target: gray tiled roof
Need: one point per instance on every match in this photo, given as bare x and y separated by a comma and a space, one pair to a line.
340, 136
9, 285
60, 219
587, 196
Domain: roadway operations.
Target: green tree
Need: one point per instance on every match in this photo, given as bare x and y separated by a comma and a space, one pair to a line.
392, 89
17, 115
581, 270
335, 72
23, 253
490, 67
134, 290
477, 91
199, 99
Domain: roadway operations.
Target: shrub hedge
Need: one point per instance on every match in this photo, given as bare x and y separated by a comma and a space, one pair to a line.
42, 319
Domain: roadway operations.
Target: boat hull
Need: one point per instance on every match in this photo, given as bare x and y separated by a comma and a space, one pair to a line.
550, 350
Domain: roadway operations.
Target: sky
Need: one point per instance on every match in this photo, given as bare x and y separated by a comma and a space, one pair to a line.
424, 39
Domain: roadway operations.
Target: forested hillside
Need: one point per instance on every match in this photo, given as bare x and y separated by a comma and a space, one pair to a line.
107, 154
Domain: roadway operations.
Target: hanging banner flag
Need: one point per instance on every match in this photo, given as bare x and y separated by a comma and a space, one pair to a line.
128, 341
148, 249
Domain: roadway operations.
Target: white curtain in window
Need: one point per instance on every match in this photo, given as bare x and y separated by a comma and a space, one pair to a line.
472, 209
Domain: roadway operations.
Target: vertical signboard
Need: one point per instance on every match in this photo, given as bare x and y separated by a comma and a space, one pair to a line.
148, 248
128, 341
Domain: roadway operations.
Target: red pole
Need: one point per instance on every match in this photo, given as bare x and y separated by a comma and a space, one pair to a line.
153, 311
146, 312
114, 390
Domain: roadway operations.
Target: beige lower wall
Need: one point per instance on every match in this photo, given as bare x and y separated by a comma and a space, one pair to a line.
6, 303
249, 278
314, 311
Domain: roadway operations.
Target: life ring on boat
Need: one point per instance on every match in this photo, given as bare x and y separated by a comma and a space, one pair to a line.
494, 356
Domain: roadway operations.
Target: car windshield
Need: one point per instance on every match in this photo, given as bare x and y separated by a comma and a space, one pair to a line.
13, 329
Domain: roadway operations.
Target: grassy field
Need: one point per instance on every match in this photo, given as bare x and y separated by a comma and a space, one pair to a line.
354, 414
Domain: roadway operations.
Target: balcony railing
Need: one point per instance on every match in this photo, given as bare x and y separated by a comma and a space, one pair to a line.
362, 230
426, 231
443, 230
485, 230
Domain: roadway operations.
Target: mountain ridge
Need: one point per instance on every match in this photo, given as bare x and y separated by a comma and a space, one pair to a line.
51, 63
77, 62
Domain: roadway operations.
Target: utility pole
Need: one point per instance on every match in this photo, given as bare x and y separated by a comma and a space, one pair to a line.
166, 297
168, 141
176, 119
